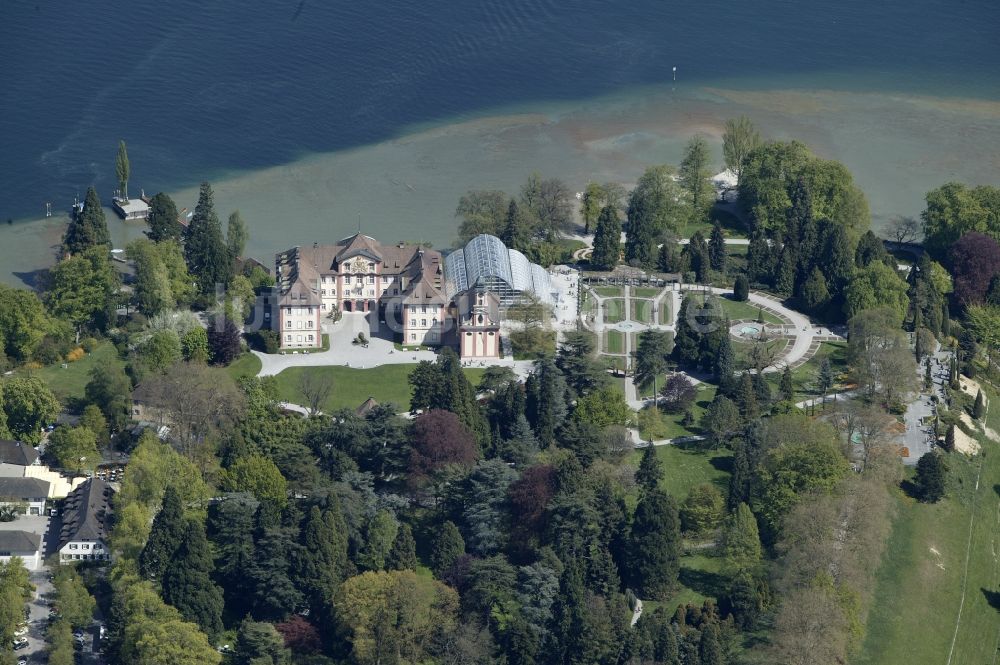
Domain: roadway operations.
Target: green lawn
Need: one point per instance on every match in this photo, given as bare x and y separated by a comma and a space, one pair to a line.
804, 376
742, 351
920, 580
664, 312
245, 366
642, 310
688, 466
614, 341
746, 311
352, 386
645, 292
614, 310
609, 291
671, 422
68, 383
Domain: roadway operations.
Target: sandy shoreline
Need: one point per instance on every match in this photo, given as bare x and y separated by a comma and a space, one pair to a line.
406, 188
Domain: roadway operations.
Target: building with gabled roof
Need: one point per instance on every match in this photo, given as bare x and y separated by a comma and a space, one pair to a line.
86, 522
17, 453
29, 492
26, 545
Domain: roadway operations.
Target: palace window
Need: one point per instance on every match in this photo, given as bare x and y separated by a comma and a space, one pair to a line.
423, 323
371, 267
371, 279
298, 338
288, 324
413, 323
310, 338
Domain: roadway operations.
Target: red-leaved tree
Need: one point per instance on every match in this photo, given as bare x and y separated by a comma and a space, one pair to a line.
439, 442
300, 636
975, 260
530, 494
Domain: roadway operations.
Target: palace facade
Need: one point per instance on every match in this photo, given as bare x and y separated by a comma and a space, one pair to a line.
423, 298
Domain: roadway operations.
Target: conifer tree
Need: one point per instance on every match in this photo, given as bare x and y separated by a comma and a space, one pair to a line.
784, 281
515, 232
686, 340
949, 439
725, 363
694, 174
607, 240
931, 477
403, 555
708, 648
741, 541
325, 563
786, 389
205, 249
654, 545
187, 582
815, 294
447, 548
746, 397
717, 249
163, 221
741, 288
979, 409
650, 469
697, 251
164, 538
88, 228
760, 263
547, 406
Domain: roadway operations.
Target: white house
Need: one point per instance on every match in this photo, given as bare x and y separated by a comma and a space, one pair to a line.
22, 544
29, 491
86, 517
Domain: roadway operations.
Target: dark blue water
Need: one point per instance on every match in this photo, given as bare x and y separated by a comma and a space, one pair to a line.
201, 88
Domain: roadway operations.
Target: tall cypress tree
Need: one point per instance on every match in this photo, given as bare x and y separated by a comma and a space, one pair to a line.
717, 249
979, 409
122, 170
686, 340
187, 581
459, 397
88, 228
698, 252
447, 548
324, 562
654, 545
164, 538
205, 248
607, 239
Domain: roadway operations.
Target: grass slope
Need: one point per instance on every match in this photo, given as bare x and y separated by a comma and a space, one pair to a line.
69, 382
920, 581
352, 386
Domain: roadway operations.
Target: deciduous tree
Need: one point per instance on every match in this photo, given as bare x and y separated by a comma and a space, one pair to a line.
29, 405
738, 140
73, 448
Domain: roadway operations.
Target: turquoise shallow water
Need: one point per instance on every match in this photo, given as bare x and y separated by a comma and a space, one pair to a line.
307, 114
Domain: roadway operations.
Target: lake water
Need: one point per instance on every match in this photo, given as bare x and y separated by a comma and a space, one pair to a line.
313, 117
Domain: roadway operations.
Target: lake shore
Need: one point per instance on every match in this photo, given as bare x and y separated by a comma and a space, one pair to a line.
406, 188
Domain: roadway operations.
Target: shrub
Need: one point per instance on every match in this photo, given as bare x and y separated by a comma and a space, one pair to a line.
741, 289
89, 344
49, 351
266, 341
75, 355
